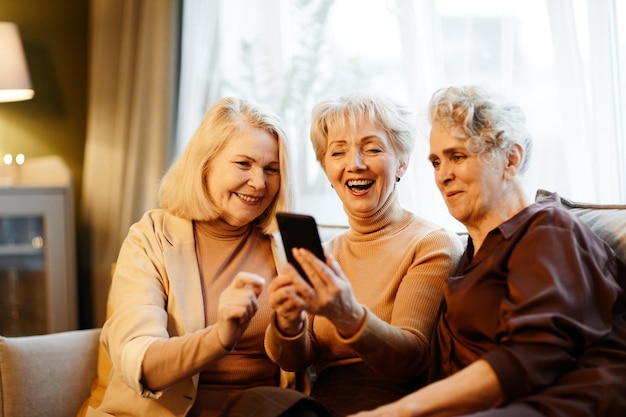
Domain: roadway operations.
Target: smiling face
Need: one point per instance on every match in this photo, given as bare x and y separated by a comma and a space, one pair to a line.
362, 167
244, 177
472, 187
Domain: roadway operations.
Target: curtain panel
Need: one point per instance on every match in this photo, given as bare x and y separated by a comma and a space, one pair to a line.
133, 78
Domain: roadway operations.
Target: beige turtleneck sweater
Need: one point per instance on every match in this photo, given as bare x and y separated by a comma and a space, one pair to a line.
222, 251
397, 263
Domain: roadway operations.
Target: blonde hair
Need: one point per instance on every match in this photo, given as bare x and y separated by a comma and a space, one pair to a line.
184, 190
346, 112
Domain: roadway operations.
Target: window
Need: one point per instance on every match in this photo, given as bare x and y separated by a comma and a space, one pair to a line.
563, 62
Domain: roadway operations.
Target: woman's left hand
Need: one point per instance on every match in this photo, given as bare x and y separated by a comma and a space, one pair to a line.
333, 297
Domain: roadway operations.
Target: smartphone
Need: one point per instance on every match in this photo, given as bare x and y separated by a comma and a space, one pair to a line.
299, 231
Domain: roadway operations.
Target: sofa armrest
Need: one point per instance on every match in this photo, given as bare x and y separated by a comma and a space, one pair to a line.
47, 375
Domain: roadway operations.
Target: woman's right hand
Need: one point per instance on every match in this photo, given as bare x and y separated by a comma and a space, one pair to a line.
285, 297
332, 296
237, 305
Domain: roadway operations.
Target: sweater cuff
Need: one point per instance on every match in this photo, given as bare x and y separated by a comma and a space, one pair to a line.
359, 332
276, 330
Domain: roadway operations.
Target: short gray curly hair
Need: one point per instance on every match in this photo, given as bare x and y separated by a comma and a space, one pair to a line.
490, 125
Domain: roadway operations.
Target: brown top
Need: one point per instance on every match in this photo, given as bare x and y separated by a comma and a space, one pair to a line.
541, 303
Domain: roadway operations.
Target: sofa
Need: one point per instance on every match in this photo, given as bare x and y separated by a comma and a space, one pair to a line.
54, 374
48, 375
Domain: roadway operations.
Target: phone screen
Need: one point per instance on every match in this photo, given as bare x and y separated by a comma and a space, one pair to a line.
299, 231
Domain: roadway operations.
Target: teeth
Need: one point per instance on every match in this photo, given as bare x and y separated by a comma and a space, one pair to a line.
356, 183
248, 198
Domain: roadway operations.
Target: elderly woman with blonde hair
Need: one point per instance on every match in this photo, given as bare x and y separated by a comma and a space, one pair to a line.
188, 308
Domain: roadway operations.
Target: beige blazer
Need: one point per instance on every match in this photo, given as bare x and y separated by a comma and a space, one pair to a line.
156, 293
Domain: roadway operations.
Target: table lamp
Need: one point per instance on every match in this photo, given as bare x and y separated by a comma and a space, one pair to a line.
14, 78
15, 85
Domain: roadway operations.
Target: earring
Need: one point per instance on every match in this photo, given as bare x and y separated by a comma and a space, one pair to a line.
398, 179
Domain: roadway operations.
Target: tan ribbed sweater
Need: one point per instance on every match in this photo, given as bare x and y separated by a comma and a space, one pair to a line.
397, 263
222, 252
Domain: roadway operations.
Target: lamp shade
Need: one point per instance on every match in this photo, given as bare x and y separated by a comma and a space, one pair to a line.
14, 78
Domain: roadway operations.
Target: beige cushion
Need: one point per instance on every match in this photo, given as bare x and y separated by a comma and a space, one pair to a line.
607, 220
47, 375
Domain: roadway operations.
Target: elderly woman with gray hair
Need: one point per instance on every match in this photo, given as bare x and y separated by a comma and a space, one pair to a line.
533, 321
365, 321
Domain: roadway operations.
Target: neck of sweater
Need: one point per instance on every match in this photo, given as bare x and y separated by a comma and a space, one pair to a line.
390, 217
219, 229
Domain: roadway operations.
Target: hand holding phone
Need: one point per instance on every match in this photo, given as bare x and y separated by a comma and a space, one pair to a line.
299, 231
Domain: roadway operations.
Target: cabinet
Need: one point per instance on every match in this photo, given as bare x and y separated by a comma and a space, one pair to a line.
38, 291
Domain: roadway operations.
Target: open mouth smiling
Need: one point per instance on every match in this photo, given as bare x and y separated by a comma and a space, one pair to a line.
248, 198
359, 185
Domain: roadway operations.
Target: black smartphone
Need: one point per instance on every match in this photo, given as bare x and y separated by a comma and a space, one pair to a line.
299, 231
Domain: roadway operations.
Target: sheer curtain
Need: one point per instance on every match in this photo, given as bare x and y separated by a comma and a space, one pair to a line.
562, 60
134, 63
591, 96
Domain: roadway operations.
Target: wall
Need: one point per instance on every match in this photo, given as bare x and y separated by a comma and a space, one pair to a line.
55, 38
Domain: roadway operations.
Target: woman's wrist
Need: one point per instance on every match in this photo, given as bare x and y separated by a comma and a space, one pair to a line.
289, 328
225, 346
351, 323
